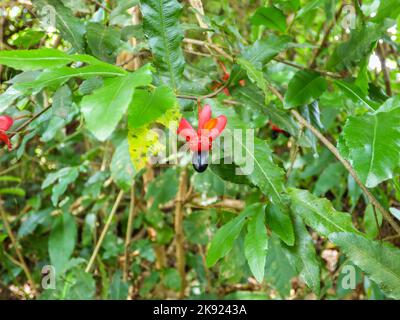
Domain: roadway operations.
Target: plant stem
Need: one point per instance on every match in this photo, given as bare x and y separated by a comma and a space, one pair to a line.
15, 244
129, 232
179, 237
104, 231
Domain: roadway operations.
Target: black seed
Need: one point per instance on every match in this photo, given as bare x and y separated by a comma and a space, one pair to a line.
200, 161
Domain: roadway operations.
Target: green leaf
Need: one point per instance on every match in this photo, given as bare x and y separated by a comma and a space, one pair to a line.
47, 58
360, 45
122, 170
311, 5
161, 26
33, 220
34, 59
147, 106
304, 88
303, 257
388, 9
223, 240
380, 261
280, 223
255, 157
71, 28
62, 241
319, 214
271, 17
255, 75
370, 227
13, 191
355, 93
57, 77
65, 177
372, 142
103, 41
105, 107
256, 244
279, 270
118, 288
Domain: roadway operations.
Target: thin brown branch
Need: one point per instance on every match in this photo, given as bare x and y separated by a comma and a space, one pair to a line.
128, 235
15, 244
29, 121
207, 96
345, 163
324, 42
386, 77
104, 231
179, 237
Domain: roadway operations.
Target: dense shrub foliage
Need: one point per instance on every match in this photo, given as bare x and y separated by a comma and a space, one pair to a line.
309, 207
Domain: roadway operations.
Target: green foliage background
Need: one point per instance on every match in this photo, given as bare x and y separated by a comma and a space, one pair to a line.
78, 194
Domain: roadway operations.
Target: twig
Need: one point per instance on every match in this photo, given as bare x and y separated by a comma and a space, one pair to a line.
377, 223
213, 46
26, 123
129, 232
345, 163
207, 96
104, 231
297, 66
325, 39
386, 76
18, 251
179, 237
101, 6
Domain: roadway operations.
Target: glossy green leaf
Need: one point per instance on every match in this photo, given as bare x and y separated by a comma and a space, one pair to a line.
372, 145
256, 244
271, 17
304, 88
380, 261
370, 227
147, 106
59, 76
161, 26
319, 213
223, 240
104, 108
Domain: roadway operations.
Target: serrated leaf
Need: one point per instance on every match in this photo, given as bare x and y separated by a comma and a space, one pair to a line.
255, 157
319, 214
161, 26
62, 241
372, 145
256, 244
380, 261
223, 240
304, 88
105, 107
